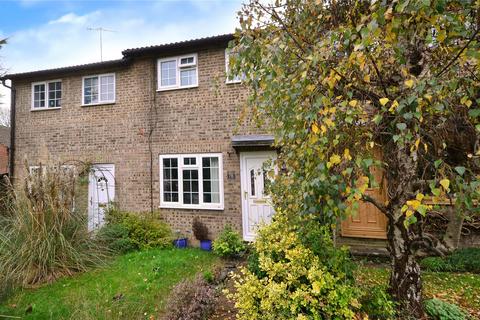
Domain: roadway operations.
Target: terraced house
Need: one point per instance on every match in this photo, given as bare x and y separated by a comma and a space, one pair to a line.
161, 128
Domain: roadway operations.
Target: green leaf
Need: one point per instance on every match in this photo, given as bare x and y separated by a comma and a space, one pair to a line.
474, 113
401, 126
437, 163
460, 170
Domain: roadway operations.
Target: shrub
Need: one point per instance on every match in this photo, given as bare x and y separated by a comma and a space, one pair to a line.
461, 260
44, 237
467, 259
190, 300
200, 230
229, 244
147, 233
378, 304
115, 237
440, 310
133, 231
296, 284
437, 264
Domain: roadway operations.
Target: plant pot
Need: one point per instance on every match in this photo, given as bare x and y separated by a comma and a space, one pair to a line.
180, 243
206, 245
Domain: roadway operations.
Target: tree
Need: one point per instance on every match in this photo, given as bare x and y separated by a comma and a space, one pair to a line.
4, 113
342, 81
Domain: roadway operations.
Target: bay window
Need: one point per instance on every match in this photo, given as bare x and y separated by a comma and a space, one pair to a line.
192, 181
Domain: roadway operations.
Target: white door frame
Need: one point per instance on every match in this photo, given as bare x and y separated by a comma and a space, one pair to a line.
267, 154
110, 169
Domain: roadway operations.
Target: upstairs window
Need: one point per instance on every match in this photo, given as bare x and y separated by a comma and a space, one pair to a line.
191, 181
178, 72
99, 89
46, 95
231, 78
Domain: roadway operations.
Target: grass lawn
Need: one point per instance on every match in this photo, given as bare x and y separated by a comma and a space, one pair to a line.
133, 286
462, 289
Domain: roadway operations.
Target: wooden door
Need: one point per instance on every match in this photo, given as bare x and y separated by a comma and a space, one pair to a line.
368, 221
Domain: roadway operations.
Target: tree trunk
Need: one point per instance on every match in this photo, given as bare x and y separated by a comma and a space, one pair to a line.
405, 280
454, 228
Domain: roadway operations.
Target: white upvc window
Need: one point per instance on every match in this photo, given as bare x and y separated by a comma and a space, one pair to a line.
231, 78
178, 72
191, 181
47, 95
98, 89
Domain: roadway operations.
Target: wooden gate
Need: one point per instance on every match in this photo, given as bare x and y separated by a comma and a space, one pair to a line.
368, 221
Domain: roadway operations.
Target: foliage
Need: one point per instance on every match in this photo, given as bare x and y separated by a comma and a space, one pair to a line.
296, 284
437, 264
132, 286
467, 259
377, 303
440, 310
44, 237
191, 300
142, 232
200, 230
461, 260
115, 236
346, 86
228, 244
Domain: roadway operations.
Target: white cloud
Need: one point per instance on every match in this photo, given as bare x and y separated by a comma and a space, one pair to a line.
66, 41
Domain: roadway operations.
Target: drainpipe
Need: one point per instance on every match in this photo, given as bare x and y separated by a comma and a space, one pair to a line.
11, 150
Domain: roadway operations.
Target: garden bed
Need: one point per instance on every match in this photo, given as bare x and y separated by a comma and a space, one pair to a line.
133, 286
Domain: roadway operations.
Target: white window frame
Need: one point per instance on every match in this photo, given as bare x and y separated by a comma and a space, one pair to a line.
235, 79
201, 205
177, 85
45, 83
99, 88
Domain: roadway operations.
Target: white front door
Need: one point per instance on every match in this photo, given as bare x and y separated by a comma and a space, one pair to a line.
101, 192
256, 205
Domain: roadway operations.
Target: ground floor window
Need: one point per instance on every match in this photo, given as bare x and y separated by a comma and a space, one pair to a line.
192, 181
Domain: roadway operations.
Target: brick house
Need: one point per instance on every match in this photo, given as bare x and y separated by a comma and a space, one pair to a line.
4, 147
161, 128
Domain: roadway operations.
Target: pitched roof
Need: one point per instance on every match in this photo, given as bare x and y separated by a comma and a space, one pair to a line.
181, 45
127, 55
69, 69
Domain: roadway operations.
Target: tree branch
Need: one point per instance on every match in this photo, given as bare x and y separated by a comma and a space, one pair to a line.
377, 204
458, 54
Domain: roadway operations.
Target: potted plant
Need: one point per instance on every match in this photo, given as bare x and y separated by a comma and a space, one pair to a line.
200, 231
180, 240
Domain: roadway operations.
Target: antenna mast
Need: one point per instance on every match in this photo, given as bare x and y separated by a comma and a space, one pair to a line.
100, 30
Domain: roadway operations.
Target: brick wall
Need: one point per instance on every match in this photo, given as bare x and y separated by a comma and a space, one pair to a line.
3, 159
195, 120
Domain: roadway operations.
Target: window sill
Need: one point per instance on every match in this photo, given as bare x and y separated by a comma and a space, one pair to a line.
192, 207
45, 109
176, 88
233, 81
98, 104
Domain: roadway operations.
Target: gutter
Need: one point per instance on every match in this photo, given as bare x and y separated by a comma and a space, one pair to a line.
11, 151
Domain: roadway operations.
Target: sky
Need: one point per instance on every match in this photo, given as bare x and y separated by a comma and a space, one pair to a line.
47, 34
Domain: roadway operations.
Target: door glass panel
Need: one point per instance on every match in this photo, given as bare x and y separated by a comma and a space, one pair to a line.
252, 182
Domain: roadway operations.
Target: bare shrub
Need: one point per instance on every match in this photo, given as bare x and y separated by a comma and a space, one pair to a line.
191, 300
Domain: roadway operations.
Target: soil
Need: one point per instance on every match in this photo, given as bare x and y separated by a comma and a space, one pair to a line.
225, 307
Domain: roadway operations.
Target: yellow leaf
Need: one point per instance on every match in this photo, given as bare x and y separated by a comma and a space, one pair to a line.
329, 122
335, 159
408, 213
366, 78
420, 196
311, 87
409, 83
468, 103
353, 103
445, 183
384, 101
315, 128
346, 154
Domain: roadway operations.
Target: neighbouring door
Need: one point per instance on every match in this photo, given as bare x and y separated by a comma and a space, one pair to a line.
101, 192
256, 205
368, 221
